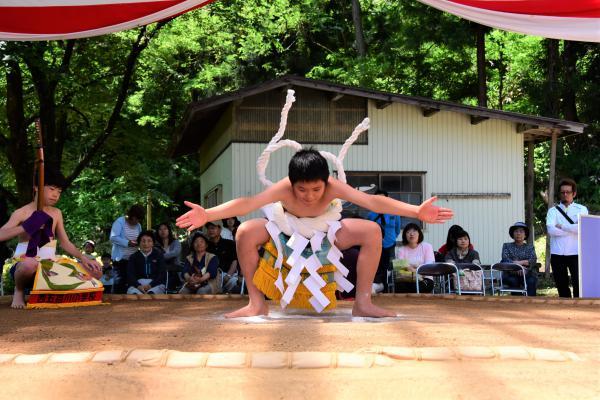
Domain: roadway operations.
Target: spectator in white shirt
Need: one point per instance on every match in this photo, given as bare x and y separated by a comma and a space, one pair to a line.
563, 234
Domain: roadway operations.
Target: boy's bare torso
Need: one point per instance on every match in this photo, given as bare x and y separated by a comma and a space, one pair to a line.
296, 207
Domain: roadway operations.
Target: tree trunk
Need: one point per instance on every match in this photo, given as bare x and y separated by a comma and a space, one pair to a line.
361, 46
481, 74
17, 147
569, 70
529, 187
552, 84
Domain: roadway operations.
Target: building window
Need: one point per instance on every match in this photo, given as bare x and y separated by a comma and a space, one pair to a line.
213, 197
314, 118
407, 187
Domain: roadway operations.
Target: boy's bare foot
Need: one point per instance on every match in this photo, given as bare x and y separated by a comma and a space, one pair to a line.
250, 310
18, 299
368, 309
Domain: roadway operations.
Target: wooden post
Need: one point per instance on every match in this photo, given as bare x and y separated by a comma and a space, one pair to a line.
551, 176
149, 211
529, 190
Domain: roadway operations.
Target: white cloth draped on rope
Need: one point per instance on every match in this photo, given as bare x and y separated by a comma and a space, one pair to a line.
577, 20
306, 233
71, 19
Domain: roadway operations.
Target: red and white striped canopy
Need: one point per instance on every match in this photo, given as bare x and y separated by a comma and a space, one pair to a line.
559, 19
70, 19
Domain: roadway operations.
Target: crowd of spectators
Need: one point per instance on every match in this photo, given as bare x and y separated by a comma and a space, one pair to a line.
155, 261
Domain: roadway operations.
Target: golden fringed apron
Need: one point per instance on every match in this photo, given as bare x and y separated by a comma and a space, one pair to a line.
267, 274
301, 265
60, 281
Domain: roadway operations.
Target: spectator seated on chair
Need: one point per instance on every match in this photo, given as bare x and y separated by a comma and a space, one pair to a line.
107, 277
200, 268
519, 252
450, 242
89, 250
414, 252
226, 253
170, 248
146, 268
230, 226
463, 253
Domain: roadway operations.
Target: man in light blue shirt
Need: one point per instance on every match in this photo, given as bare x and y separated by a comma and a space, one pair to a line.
390, 229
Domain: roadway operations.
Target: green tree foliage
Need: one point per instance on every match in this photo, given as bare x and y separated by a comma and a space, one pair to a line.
410, 48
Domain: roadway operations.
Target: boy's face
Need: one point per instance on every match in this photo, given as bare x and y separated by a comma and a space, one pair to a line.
88, 248
309, 192
51, 195
106, 262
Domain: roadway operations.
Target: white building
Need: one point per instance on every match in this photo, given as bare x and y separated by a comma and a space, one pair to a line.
472, 158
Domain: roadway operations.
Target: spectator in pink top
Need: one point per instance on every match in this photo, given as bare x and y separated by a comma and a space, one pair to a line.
416, 252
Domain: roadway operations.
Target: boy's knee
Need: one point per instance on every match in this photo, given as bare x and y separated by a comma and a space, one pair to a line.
373, 232
28, 266
248, 231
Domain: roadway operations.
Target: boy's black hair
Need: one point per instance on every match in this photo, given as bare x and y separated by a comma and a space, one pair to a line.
383, 192
105, 255
308, 165
148, 233
52, 177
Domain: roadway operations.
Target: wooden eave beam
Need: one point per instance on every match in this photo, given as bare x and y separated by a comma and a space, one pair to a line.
477, 119
336, 96
429, 111
381, 104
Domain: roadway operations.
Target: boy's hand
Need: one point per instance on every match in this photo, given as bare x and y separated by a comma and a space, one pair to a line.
433, 214
192, 219
93, 267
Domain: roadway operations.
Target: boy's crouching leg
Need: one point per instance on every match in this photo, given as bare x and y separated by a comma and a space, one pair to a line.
24, 273
367, 235
249, 237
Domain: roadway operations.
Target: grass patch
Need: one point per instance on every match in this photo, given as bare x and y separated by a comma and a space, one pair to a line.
540, 249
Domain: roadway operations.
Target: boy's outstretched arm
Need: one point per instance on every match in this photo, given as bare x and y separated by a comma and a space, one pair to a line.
199, 216
426, 212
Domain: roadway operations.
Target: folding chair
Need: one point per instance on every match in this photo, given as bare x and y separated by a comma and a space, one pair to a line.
442, 271
471, 267
508, 267
391, 281
176, 269
222, 279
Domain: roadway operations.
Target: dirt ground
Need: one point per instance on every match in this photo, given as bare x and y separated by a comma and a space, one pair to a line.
198, 325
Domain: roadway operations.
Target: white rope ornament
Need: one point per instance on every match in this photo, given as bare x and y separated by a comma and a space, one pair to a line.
276, 144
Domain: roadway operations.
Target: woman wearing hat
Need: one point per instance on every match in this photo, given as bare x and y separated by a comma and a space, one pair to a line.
519, 252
